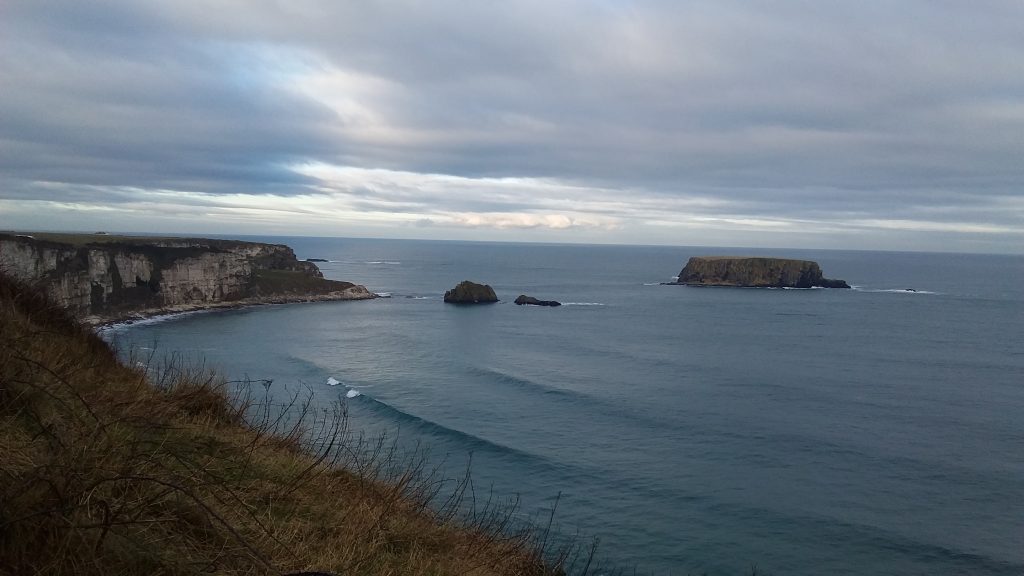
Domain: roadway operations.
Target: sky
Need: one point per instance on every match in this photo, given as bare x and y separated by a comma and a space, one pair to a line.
866, 124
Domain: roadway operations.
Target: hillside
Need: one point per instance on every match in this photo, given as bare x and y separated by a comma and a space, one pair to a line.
108, 468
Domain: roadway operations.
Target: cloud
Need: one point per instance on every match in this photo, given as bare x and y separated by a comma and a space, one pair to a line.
630, 121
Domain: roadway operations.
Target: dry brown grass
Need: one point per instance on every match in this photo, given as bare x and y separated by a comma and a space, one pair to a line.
107, 468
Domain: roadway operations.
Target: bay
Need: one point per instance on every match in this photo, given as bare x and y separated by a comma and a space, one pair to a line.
865, 431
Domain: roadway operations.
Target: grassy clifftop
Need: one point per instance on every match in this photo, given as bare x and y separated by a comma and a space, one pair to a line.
107, 468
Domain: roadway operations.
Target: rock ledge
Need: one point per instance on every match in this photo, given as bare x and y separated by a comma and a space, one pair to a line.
524, 299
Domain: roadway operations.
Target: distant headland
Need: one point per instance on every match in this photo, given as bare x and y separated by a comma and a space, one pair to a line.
104, 278
755, 272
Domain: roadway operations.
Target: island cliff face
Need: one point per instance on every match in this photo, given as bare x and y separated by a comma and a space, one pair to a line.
102, 278
755, 272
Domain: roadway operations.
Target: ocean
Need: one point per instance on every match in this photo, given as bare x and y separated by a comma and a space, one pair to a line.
690, 430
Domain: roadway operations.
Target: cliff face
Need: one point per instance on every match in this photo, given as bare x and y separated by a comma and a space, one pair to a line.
755, 272
113, 276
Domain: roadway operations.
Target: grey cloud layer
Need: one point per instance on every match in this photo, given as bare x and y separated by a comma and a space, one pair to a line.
794, 110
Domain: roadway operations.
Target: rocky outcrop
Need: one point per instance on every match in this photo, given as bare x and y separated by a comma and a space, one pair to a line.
467, 292
523, 299
755, 272
104, 277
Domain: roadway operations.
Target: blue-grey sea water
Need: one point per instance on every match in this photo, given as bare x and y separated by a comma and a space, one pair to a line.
692, 430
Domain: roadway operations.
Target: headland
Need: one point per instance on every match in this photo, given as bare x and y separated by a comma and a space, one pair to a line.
103, 278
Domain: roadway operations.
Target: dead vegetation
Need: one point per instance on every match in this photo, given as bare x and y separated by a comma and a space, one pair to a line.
154, 468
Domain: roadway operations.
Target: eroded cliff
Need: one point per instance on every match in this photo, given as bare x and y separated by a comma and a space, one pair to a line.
755, 272
103, 277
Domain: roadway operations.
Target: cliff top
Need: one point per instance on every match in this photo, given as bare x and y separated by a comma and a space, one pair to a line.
85, 239
765, 258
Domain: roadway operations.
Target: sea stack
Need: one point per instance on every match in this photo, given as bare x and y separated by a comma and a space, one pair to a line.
467, 292
755, 273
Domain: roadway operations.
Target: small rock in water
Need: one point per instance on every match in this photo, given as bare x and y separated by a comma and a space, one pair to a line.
524, 299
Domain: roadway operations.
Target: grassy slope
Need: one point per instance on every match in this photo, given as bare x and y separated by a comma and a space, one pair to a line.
270, 282
110, 469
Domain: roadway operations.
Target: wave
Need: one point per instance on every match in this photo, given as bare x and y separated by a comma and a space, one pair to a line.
583, 304
505, 378
158, 319
383, 294
892, 290
473, 442
384, 262
350, 391
419, 297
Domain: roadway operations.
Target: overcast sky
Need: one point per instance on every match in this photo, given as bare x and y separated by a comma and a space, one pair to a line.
857, 124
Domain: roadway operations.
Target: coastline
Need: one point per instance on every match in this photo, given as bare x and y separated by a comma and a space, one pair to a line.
106, 321
142, 458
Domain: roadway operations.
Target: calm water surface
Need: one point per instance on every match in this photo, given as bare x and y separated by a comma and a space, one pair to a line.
865, 431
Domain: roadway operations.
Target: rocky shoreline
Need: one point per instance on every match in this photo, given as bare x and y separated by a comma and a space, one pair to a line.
102, 321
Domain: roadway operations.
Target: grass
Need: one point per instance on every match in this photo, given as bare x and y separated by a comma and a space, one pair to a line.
82, 239
293, 282
155, 468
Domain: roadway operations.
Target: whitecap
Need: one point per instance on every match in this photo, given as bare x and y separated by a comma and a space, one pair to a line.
122, 325
893, 290
332, 382
352, 393
383, 294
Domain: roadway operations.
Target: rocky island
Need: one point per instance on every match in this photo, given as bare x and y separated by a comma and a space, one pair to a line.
755, 272
467, 292
104, 278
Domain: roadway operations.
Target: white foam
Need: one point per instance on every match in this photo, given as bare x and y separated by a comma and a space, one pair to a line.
893, 290
420, 298
383, 294
352, 393
652, 283
332, 382
157, 319
385, 262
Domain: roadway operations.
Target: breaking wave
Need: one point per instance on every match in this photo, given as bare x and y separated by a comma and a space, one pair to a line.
892, 290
